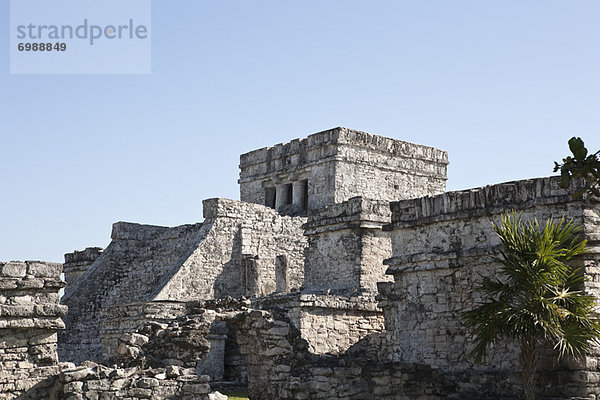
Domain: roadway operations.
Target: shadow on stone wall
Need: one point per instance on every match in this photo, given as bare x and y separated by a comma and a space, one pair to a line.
228, 282
41, 390
281, 367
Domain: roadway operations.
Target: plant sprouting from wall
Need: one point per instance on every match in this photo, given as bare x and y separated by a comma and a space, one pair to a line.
580, 165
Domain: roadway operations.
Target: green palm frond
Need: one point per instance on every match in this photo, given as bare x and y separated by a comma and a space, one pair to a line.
536, 293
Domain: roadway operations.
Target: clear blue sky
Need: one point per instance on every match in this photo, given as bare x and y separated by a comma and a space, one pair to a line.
500, 85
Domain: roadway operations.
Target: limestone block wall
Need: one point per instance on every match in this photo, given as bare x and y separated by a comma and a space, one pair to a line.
241, 249
250, 251
281, 367
339, 164
442, 247
30, 317
128, 271
329, 324
77, 262
120, 319
309, 159
333, 330
94, 381
347, 246
381, 168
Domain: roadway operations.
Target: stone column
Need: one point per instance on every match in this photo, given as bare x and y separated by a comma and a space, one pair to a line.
299, 194
281, 196
30, 317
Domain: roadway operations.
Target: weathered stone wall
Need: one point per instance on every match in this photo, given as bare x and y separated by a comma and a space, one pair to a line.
329, 324
77, 262
332, 325
117, 320
347, 246
240, 249
442, 248
280, 366
339, 164
240, 254
381, 168
128, 271
94, 381
160, 334
29, 320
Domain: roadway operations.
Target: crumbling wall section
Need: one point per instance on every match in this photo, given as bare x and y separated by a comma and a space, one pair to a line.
77, 262
280, 366
442, 248
95, 381
121, 319
128, 271
167, 357
240, 255
30, 317
329, 324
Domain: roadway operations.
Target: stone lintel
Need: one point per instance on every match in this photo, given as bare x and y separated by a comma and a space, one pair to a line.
357, 212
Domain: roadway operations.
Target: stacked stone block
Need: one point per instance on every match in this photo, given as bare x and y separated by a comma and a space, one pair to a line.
77, 262
335, 165
442, 247
30, 317
241, 249
346, 247
329, 324
93, 381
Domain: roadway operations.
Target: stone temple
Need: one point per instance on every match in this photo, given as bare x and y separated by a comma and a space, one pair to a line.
341, 273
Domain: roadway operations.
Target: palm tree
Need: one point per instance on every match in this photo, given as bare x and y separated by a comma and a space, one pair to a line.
537, 296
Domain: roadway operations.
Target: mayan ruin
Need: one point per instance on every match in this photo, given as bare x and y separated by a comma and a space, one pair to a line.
340, 273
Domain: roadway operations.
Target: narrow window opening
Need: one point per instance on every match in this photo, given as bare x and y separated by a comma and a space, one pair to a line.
270, 197
289, 194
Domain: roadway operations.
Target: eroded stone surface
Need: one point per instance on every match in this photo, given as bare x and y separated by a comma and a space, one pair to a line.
302, 290
337, 165
30, 317
235, 252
